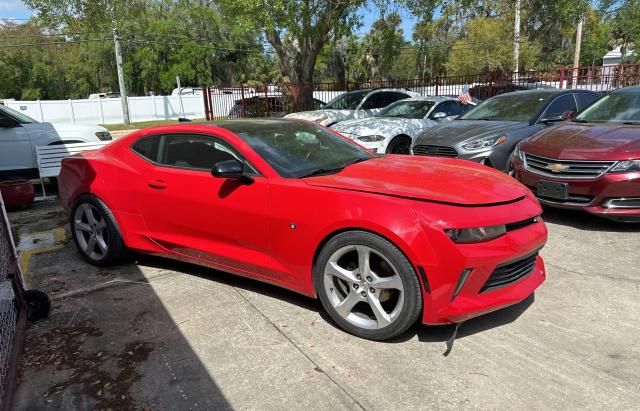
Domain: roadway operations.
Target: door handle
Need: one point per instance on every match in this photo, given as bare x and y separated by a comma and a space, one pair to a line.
157, 184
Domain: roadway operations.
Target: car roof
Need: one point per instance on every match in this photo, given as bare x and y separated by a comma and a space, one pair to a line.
544, 91
630, 89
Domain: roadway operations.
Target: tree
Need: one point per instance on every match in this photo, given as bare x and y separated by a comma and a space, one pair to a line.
297, 30
625, 24
487, 47
383, 45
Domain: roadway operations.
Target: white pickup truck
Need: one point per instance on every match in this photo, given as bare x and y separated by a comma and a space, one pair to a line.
20, 135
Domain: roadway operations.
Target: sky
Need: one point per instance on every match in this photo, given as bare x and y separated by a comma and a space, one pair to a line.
15, 9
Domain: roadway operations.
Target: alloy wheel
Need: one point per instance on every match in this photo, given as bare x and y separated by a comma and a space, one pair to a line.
91, 231
363, 287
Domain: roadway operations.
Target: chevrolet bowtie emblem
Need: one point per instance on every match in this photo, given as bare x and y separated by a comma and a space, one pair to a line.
557, 168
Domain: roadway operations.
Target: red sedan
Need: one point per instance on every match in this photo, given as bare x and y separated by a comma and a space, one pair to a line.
380, 241
591, 163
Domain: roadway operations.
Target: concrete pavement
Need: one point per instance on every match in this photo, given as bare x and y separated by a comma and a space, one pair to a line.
165, 335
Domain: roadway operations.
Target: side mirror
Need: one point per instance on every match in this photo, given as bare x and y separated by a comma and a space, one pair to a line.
552, 119
8, 122
232, 169
439, 115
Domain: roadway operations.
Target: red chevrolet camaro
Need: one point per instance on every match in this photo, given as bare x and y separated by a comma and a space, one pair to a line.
380, 240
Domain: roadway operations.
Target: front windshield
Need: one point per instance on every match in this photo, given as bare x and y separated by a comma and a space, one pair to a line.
509, 107
296, 149
407, 109
614, 108
22, 118
347, 101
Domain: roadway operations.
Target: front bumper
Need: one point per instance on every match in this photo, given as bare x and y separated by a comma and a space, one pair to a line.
608, 196
518, 248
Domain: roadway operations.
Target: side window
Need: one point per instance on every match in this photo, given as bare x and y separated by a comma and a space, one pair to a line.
195, 151
382, 99
451, 108
147, 147
584, 99
560, 106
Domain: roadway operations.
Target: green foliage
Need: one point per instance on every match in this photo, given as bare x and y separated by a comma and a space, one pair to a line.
488, 46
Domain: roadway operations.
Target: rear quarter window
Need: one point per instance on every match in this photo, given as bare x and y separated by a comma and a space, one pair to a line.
147, 147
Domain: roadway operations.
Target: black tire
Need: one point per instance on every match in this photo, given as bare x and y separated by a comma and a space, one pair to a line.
38, 304
412, 305
116, 250
399, 145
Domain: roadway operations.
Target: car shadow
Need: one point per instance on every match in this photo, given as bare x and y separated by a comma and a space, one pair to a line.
425, 333
585, 221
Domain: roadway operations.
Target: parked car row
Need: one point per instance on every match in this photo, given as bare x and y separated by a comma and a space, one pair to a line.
590, 162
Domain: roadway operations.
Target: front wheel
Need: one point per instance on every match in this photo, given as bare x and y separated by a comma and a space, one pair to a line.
367, 285
95, 233
399, 145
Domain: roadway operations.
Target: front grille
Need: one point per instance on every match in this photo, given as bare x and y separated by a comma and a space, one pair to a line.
566, 168
438, 151
510, 273
574, 199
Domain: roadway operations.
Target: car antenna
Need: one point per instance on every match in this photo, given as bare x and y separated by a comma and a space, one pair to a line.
451, 340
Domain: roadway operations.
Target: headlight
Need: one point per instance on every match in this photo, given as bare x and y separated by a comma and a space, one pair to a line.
103, 135
484, 143
475, 235
626, 166
370, 139
517, 153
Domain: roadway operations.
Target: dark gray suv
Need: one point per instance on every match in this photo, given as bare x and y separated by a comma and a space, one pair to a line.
489, 133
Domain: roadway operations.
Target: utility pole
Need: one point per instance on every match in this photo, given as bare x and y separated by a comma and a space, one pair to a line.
516, 40
576, 55
123, 87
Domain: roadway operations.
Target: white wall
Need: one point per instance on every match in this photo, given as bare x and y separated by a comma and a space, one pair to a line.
109, 110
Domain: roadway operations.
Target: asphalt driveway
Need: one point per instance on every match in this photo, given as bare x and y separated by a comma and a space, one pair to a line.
158, 334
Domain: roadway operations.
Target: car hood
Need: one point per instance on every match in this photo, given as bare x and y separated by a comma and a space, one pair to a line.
429, 179
384, 126
75, 129
323, 117
582, 141
457, 131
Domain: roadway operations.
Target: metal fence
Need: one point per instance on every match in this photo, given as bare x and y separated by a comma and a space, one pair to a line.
270, 100
13, 312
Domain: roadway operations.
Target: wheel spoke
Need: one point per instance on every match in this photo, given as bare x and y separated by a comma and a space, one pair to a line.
363, 260
387, 282
345, 306
101, 225
88, 211
91, 244
101, 243
382, 316
335, 270
82, 226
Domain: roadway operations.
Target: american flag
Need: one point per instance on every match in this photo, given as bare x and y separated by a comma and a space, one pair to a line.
464, 97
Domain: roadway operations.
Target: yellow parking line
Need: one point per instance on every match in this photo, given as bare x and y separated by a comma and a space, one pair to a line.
58, 235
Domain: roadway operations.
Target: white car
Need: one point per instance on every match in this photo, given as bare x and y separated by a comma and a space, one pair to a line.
393, 129
20, 135
354, 105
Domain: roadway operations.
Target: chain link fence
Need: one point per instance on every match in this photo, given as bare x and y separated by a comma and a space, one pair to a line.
12, 311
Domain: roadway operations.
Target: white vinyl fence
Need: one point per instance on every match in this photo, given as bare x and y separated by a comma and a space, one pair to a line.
109, 110
150, 108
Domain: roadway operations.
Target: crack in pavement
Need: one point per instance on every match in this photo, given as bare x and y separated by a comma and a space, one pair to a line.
610, 277
300, 350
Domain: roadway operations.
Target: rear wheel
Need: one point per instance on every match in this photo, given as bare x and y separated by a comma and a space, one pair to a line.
399, 145
95, 232
367, 285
